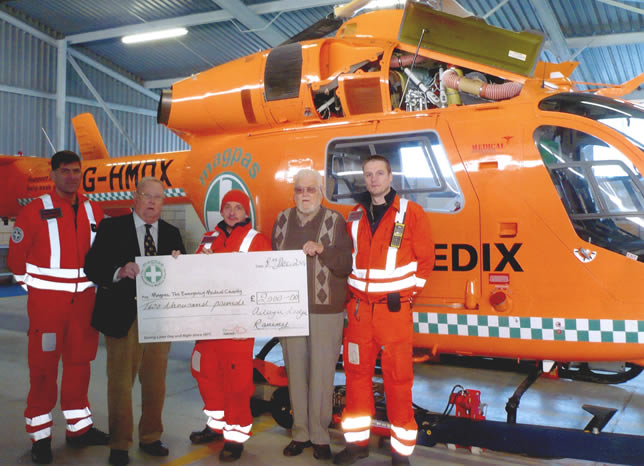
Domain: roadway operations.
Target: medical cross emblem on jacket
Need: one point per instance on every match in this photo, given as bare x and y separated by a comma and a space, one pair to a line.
148, 242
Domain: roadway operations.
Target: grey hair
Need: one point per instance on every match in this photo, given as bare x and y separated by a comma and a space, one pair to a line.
148, 179
308, 172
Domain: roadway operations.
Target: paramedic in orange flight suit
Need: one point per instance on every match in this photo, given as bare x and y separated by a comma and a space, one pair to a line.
224, 368
393, 255
48, 244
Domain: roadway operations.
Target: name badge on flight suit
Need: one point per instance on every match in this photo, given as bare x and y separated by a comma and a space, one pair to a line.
47, 214
354, 216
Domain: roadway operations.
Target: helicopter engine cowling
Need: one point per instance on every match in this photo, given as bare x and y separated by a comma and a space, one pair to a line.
226, 98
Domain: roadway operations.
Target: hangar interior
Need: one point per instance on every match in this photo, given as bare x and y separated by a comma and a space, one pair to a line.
59, 59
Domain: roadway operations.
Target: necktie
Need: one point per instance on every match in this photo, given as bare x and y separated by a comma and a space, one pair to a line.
148, 242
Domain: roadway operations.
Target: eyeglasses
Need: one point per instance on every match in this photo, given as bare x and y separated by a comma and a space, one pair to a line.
151, 197
308, 189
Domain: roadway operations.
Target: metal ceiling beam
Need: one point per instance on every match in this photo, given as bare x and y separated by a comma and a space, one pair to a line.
102, 103
161, 83
25, 27
77, 100
93, 63
196, 19
604, 40
61, 94
548, 20
252, 21
113, 74
185, 21
614, 3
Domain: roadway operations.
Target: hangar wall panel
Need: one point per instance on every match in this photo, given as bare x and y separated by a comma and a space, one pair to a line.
26, 61
28, 105
22, 119
109, 88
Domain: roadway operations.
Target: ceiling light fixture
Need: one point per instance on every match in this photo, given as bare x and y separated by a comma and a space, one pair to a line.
156, 35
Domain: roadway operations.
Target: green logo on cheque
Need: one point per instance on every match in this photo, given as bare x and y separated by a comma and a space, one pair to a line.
153, 273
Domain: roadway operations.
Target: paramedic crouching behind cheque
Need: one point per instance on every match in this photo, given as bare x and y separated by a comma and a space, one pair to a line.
110, 264
310, 360
393, 255
224, 367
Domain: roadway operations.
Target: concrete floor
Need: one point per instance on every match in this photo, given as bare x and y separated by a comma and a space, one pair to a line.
548, 402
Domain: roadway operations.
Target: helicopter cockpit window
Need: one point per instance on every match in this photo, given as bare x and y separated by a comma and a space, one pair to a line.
421, 170
625, 117
601, 189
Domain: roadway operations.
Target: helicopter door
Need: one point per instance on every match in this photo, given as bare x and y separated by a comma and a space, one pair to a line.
427, 170
602, 192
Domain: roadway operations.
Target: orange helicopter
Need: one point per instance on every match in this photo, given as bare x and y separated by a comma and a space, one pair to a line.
534, 190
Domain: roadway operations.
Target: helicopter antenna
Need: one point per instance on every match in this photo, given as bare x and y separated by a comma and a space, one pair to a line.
48, 140
420, 41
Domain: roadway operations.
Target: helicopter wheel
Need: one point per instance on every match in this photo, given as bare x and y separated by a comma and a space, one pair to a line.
281, 408
585, 374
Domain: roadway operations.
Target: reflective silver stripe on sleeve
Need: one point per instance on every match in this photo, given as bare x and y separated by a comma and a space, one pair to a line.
38, 420
80, 425
247, 240
58, 273
92, 221
76, 413
397, 285
354, 236
393, 252
379, 274
357, 284
56, 286
236, 433
40, 434
54, 236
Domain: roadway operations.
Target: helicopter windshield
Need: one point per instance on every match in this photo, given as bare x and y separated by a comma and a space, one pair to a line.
624, 117
601, 189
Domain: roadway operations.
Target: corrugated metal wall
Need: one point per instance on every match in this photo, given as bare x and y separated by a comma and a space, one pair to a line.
27, 102
26, 62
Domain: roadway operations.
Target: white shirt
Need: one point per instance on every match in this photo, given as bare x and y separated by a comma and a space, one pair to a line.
139, 226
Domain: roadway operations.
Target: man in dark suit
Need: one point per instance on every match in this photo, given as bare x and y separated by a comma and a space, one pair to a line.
110, 264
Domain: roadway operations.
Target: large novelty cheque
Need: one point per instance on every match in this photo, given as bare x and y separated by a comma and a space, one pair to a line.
228, 295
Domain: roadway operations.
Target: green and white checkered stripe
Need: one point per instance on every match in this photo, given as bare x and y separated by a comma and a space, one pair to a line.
530, 328
113, 196
125, 195
175, 192
105, 197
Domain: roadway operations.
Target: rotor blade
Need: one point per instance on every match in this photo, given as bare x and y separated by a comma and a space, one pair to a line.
317, 30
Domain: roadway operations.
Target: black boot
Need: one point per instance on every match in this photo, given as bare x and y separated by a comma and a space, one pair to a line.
204, 436
231, 452
351, 454
92, 437
41, 451
397, 458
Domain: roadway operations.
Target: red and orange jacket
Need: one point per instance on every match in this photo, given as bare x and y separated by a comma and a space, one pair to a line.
378, 267
49, 243
243, 238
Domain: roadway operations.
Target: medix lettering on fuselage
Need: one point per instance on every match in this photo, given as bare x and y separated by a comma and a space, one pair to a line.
532, 260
